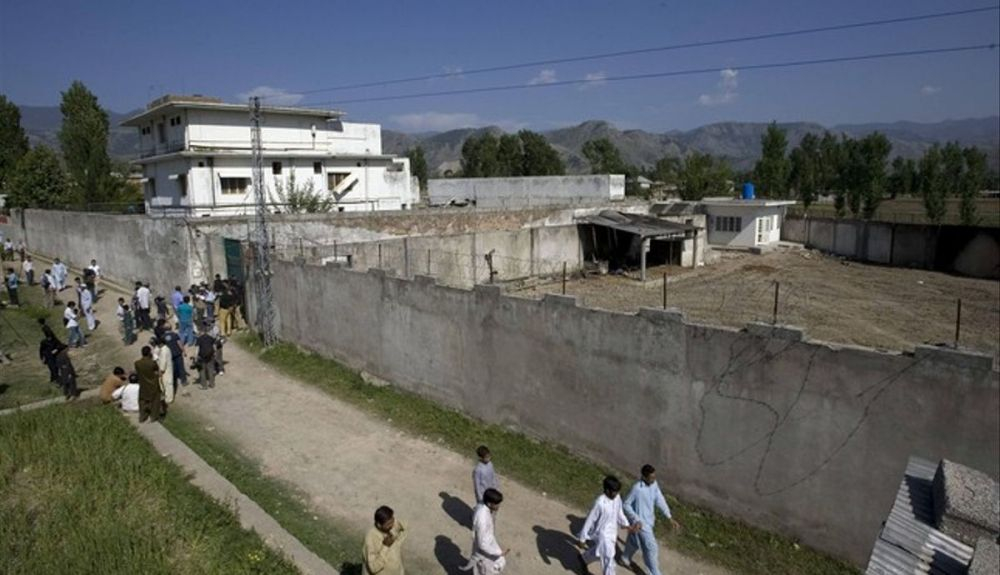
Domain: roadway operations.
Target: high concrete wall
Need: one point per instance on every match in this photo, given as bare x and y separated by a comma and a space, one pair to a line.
527, 191
965, 250
805, 438
127, 248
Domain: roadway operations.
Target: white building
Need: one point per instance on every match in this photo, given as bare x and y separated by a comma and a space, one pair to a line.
195, 154
744, 223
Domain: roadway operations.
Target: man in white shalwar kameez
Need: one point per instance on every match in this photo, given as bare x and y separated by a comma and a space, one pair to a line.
601, 527
487, 556
165, 361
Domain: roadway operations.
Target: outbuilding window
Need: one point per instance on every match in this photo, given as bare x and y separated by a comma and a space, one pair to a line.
728, 223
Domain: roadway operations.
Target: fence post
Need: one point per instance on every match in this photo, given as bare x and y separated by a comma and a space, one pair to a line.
334, 250
664, 290
958, 322
380, 256
300, 248
428, 262
774, 314
564, 279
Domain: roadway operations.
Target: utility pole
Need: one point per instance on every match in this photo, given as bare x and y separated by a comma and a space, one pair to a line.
260, 238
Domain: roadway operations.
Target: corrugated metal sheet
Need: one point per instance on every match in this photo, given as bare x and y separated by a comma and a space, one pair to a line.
640, 225
908, 543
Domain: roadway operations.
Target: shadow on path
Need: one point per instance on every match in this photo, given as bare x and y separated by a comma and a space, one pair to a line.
560, 545
456, 509
449, 556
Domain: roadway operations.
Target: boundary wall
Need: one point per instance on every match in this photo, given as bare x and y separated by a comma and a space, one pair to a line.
801, 437
965, 250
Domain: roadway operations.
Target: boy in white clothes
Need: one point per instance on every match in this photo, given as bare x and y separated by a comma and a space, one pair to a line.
601, 527
488, 558
483, 476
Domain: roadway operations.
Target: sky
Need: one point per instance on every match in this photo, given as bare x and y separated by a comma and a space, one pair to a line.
129, 52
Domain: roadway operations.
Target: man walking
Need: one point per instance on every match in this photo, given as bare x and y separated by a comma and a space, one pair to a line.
48, 348
67, 373
12, 283
59, 273
28, 269
49, 286
165, 363
601, 527
185, 320
640, 506
93, 272
173, 343
483, 477
382, 552
143, 299
150, 402
176, 298
488, 558
87, 305
70, 318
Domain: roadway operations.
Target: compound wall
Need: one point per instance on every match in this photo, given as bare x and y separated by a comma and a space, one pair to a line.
801, 437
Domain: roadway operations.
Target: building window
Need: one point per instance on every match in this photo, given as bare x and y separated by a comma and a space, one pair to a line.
151, 187
276, 168
728, 223
317, 167
182, 184
334, 179
235, 185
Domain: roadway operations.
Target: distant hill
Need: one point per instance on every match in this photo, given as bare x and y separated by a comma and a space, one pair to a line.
738, 142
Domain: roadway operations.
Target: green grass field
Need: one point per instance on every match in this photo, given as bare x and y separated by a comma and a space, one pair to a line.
911, 211
25, 379
81, 492
550, 468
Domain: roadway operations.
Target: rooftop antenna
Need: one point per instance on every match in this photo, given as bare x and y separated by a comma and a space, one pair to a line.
260, 240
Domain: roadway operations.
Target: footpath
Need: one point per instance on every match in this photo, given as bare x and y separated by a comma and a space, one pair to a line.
348, 463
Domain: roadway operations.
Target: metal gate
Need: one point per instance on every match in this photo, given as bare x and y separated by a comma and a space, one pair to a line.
234, 259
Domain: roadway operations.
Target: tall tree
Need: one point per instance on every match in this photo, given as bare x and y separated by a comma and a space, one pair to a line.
972, 182
771, 171
875, 149
805, 174
829, 167
84, 142
13, 142
37, 181
667, 170
604, 157
703, 174
540, 158
850, 179
952, 166
510, 158
903, 179
931, 184
418, 165
479, 157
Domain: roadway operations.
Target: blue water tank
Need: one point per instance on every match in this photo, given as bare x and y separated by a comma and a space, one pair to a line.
748, 191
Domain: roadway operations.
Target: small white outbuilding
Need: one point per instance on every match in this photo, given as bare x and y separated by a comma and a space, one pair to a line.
744, 223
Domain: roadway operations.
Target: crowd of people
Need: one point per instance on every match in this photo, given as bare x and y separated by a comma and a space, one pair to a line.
597, 539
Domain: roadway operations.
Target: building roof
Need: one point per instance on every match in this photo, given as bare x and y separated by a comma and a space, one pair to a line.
738, 203
638, 224
204, 103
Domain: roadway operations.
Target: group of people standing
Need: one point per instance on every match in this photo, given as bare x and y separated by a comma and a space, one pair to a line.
598, 539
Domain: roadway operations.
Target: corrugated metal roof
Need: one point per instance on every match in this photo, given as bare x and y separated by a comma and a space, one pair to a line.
909, 543
640, 225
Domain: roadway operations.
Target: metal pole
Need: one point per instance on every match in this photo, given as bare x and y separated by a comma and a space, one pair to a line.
664, 290
428, 262
564, 279
774, 314
334, 250
261, 237
300, 248
380, 256
958, 322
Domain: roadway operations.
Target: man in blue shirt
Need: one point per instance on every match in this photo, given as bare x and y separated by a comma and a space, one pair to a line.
12, 287
641, 505
185, 321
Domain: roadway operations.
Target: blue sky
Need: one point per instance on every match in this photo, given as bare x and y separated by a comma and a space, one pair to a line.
128, 52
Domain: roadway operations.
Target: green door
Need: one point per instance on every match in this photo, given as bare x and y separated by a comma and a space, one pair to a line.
234, 259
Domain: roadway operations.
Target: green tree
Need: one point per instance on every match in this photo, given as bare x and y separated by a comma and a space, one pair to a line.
667, 170
971, 184
539, 157
479, 156
931, 184
418, 166
952, 167
903, 179
874, 149
303, 199
773, 167
830, 158
510, 157
13, 142
84, 141
604, 157
37, 180
805, 173
702, 175
850, 179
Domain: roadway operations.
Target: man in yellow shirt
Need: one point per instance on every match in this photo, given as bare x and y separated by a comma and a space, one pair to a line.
111, 383
383, 545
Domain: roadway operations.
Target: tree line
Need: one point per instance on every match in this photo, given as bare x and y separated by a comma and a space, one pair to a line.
83, 173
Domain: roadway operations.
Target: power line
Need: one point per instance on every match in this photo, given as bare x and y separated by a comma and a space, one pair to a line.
687, 45
674, 73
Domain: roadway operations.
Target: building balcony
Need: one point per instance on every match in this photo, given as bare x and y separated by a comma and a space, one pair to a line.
161, 149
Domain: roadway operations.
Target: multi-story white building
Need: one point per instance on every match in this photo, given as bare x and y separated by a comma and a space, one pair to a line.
195, 154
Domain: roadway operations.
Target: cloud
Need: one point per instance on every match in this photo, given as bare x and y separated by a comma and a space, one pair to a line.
725, 92
454, 72
546, 76
928, 90
272, 96
594, 79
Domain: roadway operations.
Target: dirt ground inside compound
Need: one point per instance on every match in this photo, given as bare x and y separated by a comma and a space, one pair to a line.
833, 299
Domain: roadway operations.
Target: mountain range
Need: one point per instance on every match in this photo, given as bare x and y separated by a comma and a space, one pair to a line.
738, 142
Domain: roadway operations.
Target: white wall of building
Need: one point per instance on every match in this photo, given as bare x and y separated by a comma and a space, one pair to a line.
527, 191
753, 218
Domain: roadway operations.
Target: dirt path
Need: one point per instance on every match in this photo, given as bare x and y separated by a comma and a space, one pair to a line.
349, 463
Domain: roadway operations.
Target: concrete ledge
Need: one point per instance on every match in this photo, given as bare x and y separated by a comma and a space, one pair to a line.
660, 316
785, 332
487, 290
559, 300
985, 558
377, 272
966, 502
422, 280
957, 357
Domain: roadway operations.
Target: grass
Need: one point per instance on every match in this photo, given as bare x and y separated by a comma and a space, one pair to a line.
81, 492
911, 211
338, 545
550, 468
25, 379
